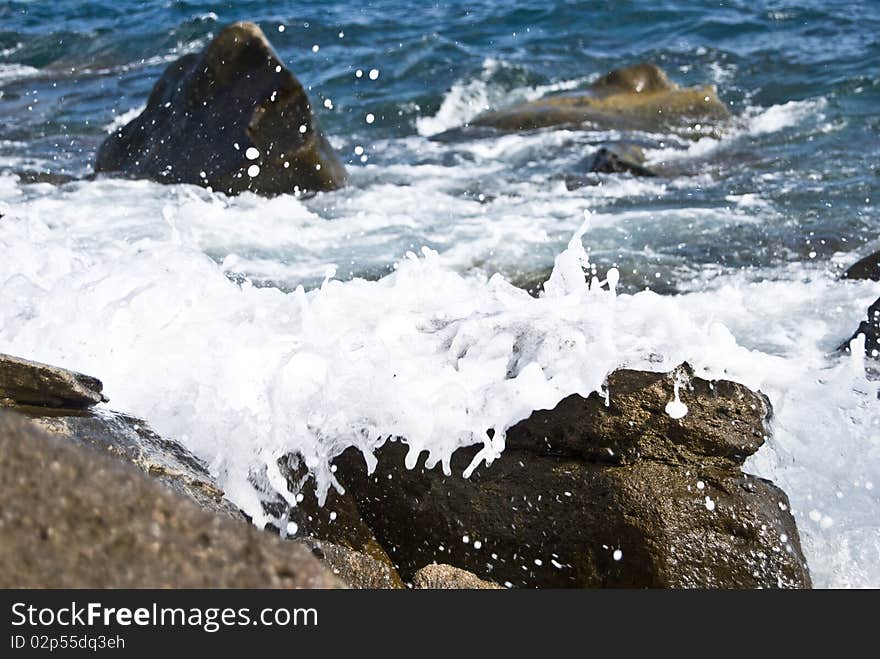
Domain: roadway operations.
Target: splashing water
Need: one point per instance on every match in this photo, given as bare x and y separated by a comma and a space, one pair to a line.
242, 375
675, 408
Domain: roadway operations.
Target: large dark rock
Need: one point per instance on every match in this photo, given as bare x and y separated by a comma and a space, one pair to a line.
639, 97
870, 328
207, 110
592, 494
73, 517
866, 268
26, 382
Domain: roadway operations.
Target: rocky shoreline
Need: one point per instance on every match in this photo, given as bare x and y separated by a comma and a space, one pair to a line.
589, 494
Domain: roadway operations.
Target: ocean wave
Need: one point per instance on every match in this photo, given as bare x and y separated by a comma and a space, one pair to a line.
248, 374
121, 120
754, 121
12, 72
469, 98
784, 115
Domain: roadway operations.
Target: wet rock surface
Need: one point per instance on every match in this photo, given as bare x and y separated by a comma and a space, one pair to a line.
334, 527
446, 577
334, 534
591, 493
26, 382
639, 97
616, 160
356, 569
232, 118
865, 268
596, 495
73, 517
132, 440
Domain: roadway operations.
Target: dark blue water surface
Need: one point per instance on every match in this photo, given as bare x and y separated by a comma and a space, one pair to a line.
820, 173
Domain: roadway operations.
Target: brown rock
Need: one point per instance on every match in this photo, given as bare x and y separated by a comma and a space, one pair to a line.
25, 382
357, 569
133, 440
590, 495
75, 518
644, 78
207, 110
634, 98
446, 577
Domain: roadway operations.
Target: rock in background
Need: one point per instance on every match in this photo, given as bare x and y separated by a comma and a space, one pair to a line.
232, 118
639, 97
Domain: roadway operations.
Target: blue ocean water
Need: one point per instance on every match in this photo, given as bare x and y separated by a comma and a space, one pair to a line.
67, 68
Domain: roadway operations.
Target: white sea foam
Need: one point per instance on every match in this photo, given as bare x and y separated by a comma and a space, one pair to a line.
754, 121
241, 374
6, 52
469, 98
12, 72
785, 115
121, 119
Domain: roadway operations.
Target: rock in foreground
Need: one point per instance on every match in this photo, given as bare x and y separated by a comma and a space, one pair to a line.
639, 97
446, 577
334, 534
232, 118
24, 382
596, 495
76, 518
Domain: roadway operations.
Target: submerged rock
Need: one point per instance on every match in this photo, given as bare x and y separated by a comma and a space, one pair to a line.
591, 494
232, 118
446, 577
76, 518
619, 160
639, 97
25, 382
29, 177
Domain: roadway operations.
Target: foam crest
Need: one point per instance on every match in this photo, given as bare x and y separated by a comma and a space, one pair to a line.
468, 98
